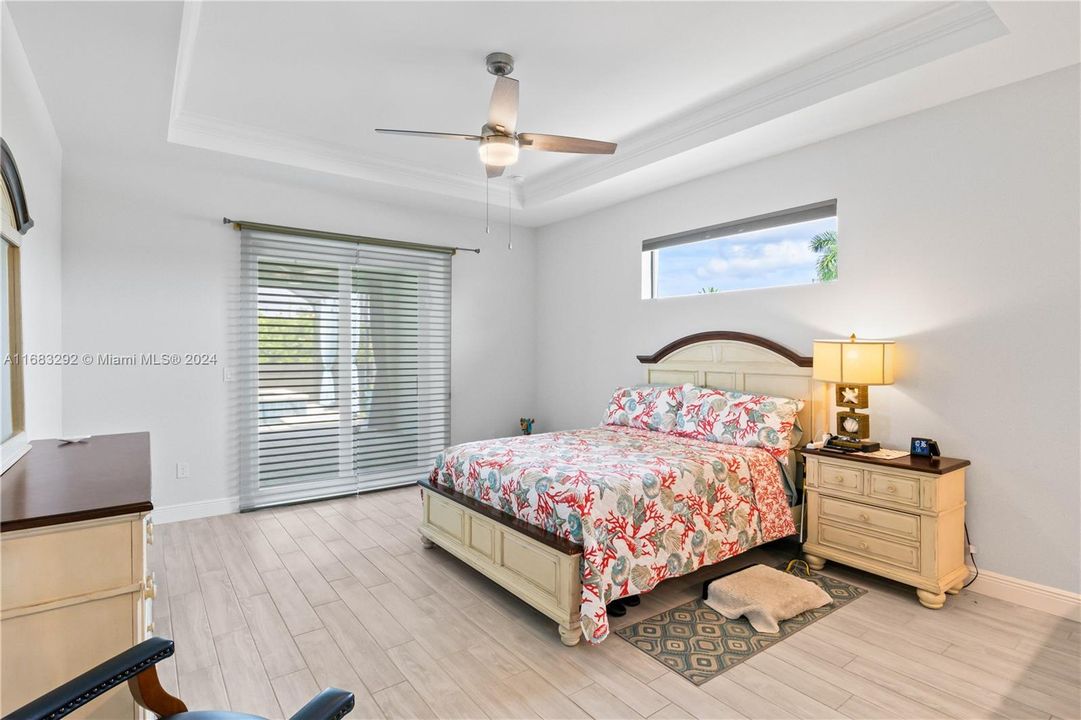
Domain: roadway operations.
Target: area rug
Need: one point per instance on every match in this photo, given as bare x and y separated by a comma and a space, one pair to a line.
699, 643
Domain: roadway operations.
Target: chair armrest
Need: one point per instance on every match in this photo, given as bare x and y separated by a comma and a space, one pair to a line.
92, 683
331, 704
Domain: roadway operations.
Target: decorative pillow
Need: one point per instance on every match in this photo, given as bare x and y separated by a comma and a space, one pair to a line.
764, 596
796, 435
648, 407
736, 418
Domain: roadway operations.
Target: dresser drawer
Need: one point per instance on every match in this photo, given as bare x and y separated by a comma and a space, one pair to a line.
838, 477
871, 546
886, 521
67, 562
895, 488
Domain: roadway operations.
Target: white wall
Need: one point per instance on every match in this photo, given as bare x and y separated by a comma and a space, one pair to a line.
148, 266
26, 126
959, 237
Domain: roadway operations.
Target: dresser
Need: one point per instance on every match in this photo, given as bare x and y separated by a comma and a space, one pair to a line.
903, 519
74, 589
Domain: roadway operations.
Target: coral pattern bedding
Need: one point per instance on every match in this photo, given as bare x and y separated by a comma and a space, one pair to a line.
645, 506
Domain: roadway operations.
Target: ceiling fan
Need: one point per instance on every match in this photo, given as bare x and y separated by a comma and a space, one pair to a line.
499, 139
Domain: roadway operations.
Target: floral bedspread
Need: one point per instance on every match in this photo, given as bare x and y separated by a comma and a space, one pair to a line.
645, 506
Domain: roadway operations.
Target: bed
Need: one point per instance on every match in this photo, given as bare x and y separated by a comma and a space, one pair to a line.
570, 521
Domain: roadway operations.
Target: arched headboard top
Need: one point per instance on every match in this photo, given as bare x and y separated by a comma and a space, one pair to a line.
743, 362
739, 337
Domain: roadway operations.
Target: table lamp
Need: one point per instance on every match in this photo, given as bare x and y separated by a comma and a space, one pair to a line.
854, 365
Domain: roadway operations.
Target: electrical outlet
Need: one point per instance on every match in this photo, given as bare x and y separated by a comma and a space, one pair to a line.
227, 373
183, 470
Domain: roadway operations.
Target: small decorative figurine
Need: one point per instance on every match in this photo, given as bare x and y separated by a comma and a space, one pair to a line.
527, 425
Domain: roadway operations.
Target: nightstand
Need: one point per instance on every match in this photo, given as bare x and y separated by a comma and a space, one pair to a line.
902, 519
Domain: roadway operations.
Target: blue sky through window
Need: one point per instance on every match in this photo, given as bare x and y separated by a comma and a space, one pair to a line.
764, 258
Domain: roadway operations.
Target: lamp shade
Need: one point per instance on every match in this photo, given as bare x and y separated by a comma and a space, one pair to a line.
855, 362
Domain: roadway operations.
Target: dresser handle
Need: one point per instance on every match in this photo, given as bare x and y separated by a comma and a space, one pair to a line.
149, 532
891, 489
863, 546
864, 517
838, 479
151, 587
150, 628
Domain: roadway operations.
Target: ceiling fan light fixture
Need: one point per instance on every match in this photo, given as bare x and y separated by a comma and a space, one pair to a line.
498, 150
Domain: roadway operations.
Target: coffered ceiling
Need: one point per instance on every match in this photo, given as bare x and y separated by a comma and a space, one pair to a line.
684, 88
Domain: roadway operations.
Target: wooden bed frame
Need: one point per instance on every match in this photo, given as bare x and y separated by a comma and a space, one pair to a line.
544, 569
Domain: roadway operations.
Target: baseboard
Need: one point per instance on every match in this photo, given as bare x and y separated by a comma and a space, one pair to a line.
1028, 594
164, 514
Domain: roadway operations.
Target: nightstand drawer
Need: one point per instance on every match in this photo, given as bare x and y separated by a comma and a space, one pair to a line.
893, 552
886, 521
895, 488
838, 477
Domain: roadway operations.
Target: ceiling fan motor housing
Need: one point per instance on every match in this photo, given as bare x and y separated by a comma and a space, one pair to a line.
499, 63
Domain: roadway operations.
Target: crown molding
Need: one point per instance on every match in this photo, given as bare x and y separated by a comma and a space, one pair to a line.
189, 30
210, 133
931, 34
934, 31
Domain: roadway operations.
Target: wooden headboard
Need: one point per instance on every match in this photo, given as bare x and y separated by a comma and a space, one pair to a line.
748, 363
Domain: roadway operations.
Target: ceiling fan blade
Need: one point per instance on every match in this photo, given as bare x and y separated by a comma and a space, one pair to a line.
494, 171
420, 133
562, 143
503, 109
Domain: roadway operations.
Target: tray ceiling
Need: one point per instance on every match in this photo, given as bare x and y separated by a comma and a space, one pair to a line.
685, 88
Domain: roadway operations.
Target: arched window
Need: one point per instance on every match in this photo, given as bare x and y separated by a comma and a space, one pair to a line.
15, 222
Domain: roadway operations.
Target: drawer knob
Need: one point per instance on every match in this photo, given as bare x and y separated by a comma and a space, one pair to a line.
150, 628
863, 546
151, 587
838, 479
891, 489
864, 517
149, 532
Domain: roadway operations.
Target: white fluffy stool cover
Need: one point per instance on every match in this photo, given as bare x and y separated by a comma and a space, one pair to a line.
764, 595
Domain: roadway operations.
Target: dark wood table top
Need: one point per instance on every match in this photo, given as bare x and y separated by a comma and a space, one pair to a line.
58, 483
913, 463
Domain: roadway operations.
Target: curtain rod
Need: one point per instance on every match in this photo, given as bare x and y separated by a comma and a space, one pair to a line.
301, 232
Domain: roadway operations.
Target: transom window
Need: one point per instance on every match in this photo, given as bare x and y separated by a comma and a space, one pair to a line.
797, 246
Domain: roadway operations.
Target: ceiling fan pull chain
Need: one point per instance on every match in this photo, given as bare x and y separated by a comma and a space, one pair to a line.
510, 228
487, 223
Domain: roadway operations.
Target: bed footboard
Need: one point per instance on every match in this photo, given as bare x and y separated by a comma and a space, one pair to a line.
542, 570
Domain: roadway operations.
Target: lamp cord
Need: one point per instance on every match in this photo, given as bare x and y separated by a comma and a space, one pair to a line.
972, 556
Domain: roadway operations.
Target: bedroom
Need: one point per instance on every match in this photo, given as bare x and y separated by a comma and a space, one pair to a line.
931, 148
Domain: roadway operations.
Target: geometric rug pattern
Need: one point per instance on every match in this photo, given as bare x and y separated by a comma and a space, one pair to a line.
699, 643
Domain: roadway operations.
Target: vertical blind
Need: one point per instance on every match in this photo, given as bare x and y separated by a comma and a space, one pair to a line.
341, 366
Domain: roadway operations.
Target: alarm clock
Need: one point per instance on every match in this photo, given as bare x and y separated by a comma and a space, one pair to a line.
924, 447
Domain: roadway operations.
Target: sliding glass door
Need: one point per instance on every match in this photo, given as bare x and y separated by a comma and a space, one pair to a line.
342, 366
